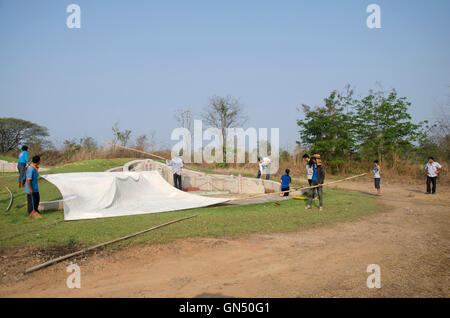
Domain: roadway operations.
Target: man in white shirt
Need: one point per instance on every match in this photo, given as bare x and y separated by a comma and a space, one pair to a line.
177, 165
264, 164
309, 172
432, 169
309, 168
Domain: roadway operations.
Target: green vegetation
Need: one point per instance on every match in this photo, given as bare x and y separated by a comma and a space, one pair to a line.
222, 221
347, 129
7, 158
15, 132
90, 165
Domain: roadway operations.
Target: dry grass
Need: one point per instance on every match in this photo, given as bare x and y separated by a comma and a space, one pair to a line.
406, 171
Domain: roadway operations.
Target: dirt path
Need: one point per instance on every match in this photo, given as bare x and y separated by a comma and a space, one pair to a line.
409, 240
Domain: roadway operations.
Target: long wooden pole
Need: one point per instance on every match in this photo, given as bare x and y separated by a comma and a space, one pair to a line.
137, 150
59, 259
332, 182
252, 196
305, 188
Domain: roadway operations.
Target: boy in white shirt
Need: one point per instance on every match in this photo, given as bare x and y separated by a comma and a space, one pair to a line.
432, 168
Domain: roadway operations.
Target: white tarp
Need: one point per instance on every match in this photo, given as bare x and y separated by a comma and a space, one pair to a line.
90, 195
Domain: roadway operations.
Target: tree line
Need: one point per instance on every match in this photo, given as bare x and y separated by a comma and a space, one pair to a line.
345, 129
376, 126
222, 112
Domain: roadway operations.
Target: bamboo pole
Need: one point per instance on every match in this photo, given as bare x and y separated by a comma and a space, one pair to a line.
252, 196
333, 182
133, 149
59, 259
295, 189
10, 200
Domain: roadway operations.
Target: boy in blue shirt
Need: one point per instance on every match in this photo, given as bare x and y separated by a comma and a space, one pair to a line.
32, 189
22, 166
285, 180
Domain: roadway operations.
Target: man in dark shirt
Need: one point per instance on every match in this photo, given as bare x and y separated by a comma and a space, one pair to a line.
318, 179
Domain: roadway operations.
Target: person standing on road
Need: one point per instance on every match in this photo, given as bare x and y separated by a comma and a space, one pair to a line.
177, 165
22, 166
309, 171
32, 188
377, 176
432, 168
318, 179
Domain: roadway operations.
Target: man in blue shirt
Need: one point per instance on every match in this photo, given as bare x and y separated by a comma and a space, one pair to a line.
22, 166
32, 189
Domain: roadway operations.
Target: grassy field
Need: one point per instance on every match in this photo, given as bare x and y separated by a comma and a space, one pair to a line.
9, 159
221, 221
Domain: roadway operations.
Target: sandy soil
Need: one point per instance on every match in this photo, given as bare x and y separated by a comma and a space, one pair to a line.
409, 240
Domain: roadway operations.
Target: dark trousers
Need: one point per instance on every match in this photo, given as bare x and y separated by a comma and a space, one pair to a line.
177, 181
259, 175
33, 201
318, 191
286, 194
314, 189
431, 180
22, 168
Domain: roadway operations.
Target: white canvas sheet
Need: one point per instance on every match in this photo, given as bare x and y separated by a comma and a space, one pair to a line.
90, 195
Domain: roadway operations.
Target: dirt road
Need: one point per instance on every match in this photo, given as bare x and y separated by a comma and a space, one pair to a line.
409, 240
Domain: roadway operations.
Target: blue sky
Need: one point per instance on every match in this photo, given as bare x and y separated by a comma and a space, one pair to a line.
135, 62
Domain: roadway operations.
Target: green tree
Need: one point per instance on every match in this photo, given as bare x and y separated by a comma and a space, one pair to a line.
15, 132
328, 130
383, 125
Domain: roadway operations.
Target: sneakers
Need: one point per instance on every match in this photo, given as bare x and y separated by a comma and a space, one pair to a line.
35, 215
320, 209
307, 207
